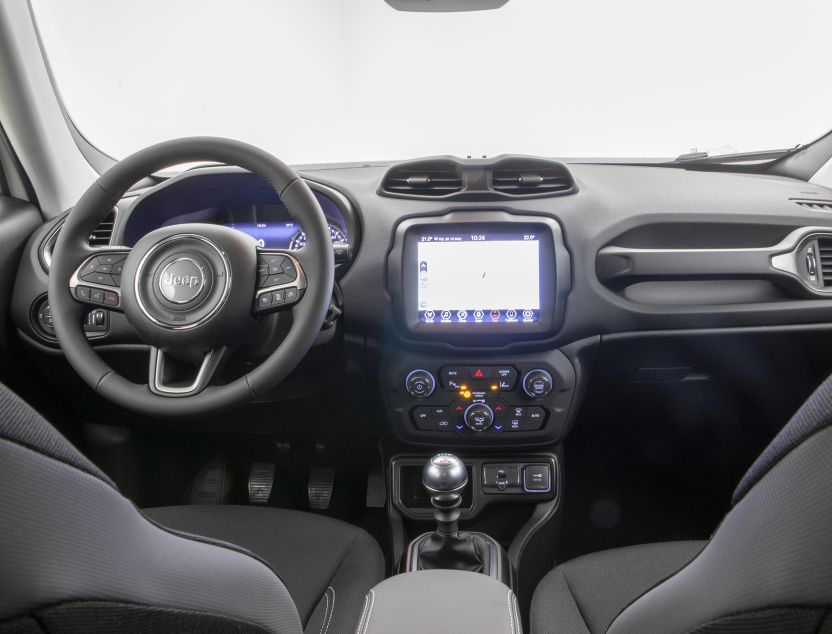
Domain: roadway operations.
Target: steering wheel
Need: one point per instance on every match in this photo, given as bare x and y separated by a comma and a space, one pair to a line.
192, 292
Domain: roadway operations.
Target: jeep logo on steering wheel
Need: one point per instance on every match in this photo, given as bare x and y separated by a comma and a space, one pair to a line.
181, 280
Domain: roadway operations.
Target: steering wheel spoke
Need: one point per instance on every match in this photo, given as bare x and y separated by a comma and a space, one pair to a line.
97, 282
280, 282
168, 377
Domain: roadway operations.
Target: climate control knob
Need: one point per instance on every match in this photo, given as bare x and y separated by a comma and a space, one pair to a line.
420, 383
478, 417
537, 383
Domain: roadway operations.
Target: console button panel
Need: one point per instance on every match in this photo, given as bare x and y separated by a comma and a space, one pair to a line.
461, 401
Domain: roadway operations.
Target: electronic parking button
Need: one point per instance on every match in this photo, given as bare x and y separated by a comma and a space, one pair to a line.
537, 478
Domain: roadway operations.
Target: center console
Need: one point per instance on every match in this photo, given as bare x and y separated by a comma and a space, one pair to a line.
479, 299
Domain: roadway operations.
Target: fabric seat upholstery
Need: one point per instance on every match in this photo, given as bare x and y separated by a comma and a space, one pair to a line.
584, 595
765, 569
77, 556
326, 565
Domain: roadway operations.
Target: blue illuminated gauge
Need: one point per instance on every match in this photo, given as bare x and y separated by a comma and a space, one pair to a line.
337, 236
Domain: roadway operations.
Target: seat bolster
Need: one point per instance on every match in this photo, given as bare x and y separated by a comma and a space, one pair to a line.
340, 607
585, 595
69, 535
773, 549
554, 607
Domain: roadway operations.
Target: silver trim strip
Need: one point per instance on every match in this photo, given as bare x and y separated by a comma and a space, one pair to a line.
781, 257
159, 373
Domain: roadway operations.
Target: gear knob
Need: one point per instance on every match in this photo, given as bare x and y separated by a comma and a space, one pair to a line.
445, 478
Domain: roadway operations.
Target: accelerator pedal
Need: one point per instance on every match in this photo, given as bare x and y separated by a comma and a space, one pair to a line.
260, 482
321, 483
376, 489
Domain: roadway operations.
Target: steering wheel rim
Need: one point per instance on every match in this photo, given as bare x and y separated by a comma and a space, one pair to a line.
72, 248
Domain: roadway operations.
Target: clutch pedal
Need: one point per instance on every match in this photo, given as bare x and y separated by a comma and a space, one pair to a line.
211, 485
260, 482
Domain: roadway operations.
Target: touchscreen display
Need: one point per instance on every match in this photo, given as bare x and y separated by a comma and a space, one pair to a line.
478, 278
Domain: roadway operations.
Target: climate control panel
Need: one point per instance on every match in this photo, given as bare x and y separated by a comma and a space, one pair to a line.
520, 401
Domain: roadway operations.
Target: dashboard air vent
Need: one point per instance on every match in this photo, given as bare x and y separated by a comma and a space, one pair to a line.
816, 205
423, 179
103, 232
531, 177
825, 253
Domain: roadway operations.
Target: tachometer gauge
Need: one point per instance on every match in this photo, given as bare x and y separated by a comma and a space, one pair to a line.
336, 234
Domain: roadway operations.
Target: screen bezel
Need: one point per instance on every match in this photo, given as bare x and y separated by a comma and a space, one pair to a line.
553, 275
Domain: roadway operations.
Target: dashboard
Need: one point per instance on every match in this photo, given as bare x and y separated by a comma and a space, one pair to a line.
484, 286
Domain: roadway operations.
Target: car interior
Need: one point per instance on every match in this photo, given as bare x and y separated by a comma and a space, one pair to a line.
442, 392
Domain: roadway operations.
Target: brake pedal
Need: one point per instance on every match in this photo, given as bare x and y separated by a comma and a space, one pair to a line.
321, 483
376, 489
260, 482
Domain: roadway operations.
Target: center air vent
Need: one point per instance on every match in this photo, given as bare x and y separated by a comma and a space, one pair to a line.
425, 178
531, 177
825, 254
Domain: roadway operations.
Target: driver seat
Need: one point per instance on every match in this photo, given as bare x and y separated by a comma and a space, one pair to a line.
77, 556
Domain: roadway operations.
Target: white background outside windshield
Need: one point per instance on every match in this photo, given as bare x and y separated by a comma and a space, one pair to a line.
350, 80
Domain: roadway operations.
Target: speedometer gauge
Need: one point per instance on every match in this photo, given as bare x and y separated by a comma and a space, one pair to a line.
337, 236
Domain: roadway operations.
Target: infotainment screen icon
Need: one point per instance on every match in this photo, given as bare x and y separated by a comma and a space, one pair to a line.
478, 278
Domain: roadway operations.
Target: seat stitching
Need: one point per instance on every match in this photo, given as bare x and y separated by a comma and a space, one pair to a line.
363, 613
326, 611
327, 621
516, 608
370, 611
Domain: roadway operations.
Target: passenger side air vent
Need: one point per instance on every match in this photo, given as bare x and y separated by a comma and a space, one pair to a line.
815, 205
432, 179
103, 232
825, 253
531, 177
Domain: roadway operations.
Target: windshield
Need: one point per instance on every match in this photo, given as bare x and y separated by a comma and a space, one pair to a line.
319, 81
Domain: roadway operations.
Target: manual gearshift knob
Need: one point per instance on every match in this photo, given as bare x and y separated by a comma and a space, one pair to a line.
445, 477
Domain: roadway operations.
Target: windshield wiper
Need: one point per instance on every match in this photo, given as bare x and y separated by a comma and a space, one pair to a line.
703, 158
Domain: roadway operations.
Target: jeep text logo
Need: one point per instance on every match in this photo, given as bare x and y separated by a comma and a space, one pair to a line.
182, 280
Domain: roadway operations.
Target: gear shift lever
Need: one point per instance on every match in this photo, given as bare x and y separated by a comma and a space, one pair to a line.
445, 478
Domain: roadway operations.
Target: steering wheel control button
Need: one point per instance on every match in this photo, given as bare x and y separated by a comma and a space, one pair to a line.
111, 259
420, 383
82, 293
537, 383
110, 298
478, 417
182, 280
537, 478
279, 276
